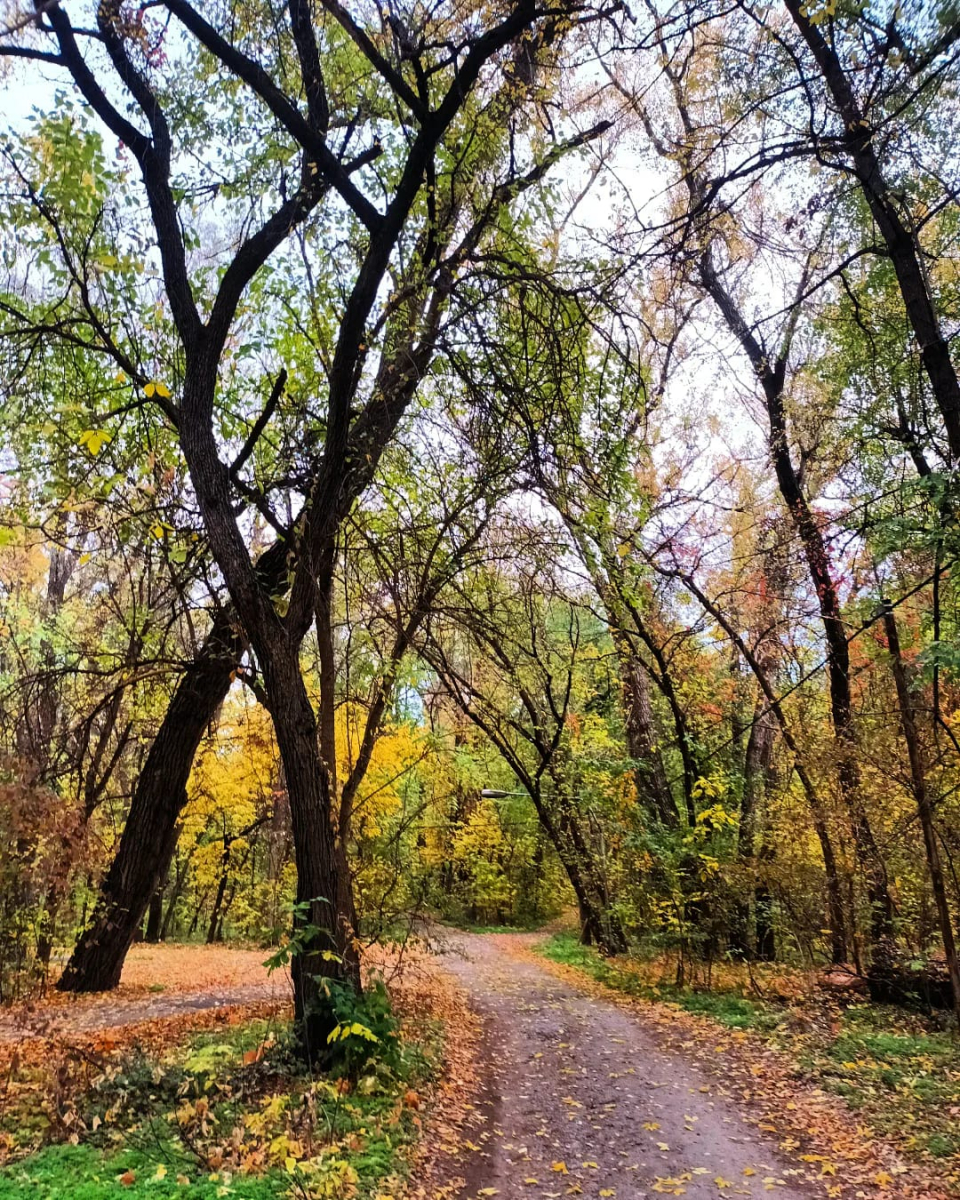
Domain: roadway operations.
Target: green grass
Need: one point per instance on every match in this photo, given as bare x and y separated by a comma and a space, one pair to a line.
891, 1066
180, 1115
727, 1008
85, 1173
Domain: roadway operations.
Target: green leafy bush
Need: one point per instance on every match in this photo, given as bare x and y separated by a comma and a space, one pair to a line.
367, 1031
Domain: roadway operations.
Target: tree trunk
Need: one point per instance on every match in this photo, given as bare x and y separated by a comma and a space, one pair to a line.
756, 765
772, 376
597, 922
588, 925
902, 244
154, 917
217, 901
835, 914
650, 776
150, 835
174, 897
765, 942
838, 670
324, 892
908, 723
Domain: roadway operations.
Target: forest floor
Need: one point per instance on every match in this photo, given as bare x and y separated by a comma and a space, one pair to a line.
158, 983
590, 1092
553, 1085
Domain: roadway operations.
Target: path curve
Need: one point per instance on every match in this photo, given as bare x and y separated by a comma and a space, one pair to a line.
582, 1099
95, 1013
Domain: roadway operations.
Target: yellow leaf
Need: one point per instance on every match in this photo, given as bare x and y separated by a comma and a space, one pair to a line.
882, 1179
161, 1172
607, 1192
559, 1167
662, 1146
651, 1125
94, 440
722, 1183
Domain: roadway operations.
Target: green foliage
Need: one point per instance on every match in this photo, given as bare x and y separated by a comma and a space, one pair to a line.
234, 1109
367, 1031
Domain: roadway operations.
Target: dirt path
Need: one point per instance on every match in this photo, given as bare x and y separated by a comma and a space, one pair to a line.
101, 1012
582, 1099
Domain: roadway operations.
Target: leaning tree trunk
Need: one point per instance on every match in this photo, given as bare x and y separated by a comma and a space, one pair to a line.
900, 237
772, 377
150, 835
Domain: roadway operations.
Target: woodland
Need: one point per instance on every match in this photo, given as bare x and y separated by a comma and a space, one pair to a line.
477, 464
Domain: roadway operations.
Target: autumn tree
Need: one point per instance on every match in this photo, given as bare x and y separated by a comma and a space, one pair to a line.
402, 149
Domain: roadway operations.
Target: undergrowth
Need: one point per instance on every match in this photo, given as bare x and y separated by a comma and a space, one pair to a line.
231, 1112
627, 975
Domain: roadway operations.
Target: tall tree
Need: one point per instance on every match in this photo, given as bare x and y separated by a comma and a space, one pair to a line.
453, 101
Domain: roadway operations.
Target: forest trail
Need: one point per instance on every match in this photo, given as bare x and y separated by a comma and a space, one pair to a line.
581, 1098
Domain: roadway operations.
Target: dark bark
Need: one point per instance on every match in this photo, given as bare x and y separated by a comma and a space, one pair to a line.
860, 141
353, 444
150, 835
324, 892
601, 925
180, 878
154, 916
633, 624
217, 902
649, 773
765, 941
755, 769
908, 723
